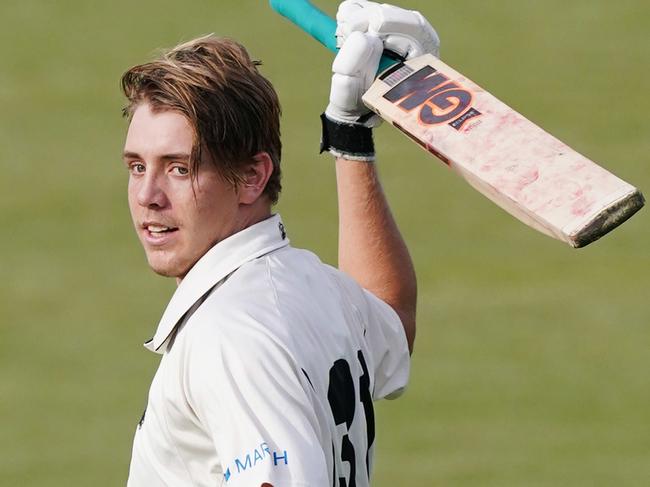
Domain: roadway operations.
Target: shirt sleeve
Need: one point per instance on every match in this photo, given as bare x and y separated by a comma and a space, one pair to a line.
246, 391
388, 347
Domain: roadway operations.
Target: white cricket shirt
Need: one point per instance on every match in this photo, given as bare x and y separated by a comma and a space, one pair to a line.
271, 361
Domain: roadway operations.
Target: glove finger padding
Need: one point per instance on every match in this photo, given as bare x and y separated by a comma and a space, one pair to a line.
354, 70
350, 17
405, 32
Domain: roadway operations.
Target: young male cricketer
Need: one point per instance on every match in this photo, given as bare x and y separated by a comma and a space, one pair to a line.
270, 358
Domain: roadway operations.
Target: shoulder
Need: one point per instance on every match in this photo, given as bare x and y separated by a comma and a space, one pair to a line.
236, 339
287, 289
243, 312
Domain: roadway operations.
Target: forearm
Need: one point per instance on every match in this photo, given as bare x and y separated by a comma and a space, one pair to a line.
371, 248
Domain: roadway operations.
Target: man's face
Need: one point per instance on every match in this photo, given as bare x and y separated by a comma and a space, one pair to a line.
177, 219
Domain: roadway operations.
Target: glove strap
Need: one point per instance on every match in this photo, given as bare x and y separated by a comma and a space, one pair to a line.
347, 140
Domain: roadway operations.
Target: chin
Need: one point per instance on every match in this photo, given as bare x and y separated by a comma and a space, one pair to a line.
164, 271
168, 266
167, 269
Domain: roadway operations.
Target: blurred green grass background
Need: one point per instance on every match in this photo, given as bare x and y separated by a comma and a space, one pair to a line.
532, 364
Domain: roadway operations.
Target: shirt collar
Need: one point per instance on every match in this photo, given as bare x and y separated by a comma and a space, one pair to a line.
216, 264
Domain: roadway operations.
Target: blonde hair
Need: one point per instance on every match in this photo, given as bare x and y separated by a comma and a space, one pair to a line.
233, 109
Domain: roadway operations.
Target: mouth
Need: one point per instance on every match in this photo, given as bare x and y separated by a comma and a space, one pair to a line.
157, 233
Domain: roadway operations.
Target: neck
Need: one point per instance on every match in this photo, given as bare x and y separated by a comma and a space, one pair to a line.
248, 216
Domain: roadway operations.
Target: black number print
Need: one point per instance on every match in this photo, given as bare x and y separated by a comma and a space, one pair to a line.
342, 397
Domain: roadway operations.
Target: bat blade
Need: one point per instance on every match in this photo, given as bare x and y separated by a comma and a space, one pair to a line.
516, 164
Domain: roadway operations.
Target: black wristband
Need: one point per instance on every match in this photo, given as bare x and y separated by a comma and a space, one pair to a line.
351, 141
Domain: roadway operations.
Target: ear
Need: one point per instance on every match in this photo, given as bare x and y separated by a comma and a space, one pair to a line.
256, 175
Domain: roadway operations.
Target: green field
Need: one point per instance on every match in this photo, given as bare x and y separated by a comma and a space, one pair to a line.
532, 363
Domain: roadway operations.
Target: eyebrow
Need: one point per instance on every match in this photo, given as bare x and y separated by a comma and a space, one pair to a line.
166, 157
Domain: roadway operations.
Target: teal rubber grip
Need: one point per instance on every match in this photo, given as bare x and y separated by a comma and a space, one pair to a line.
317, 24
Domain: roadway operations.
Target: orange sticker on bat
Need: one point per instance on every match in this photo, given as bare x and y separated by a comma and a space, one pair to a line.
438, 99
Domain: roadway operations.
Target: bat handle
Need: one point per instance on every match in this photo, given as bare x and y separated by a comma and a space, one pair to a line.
317, 24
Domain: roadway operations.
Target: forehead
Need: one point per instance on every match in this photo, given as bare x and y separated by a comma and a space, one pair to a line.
159, 131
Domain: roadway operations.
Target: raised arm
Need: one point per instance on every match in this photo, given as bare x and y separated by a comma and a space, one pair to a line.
371, 248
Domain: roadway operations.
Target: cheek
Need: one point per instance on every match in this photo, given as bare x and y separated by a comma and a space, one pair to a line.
216, 212
131, 192
209, 214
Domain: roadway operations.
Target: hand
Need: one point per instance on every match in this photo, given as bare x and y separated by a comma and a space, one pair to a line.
347, 122
405, 32
364, 30
354, 70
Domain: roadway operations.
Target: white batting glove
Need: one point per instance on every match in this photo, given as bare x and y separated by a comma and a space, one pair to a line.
354, 70
405, 32
347, 121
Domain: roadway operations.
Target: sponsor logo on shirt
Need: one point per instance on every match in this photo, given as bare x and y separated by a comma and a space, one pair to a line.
251, 459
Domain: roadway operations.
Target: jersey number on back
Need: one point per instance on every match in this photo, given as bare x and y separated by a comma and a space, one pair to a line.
342, 397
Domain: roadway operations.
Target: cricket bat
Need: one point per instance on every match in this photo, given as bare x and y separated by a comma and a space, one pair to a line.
513, 162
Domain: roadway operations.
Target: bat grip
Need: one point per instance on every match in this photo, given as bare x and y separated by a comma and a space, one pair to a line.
317, 24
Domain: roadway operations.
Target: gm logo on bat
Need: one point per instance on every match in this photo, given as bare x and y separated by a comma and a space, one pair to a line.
438, 99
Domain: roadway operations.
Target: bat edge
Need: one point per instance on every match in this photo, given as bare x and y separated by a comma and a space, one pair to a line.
608, 219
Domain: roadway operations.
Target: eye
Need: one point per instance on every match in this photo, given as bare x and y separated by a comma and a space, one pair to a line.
181, 170
136, 168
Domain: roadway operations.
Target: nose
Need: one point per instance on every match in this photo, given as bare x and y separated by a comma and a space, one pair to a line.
151, 193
